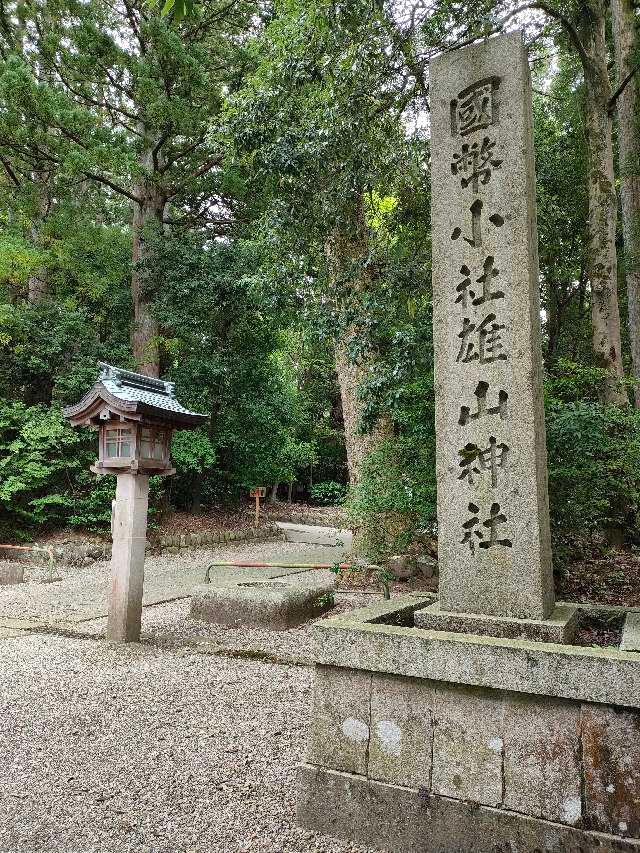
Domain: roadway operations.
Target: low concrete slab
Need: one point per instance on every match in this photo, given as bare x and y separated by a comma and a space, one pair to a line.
272, 603
11, 573
631, 633
314, 535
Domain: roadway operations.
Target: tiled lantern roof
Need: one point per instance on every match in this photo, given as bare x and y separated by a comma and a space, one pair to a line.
131, 397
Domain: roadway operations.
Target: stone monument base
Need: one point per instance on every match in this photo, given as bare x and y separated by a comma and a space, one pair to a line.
432, 742
560, 627
373, 813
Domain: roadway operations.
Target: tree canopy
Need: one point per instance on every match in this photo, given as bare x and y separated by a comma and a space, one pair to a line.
236, 196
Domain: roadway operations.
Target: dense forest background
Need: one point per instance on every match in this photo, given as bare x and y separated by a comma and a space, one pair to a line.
239, 200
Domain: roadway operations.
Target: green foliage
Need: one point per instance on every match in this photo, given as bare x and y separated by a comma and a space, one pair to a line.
396, 495
44, 478
572, 382
594, 468
328, 493
192, 451
230, 358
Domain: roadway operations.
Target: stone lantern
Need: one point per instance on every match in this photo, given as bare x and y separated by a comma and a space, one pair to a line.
135, 417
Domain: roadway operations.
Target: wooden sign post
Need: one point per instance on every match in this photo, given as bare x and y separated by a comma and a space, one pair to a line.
257, 493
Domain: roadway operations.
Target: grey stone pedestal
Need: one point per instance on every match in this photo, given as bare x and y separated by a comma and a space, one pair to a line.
429, 742
11, 573
560, 627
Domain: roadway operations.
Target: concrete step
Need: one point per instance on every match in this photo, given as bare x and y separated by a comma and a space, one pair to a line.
314, 535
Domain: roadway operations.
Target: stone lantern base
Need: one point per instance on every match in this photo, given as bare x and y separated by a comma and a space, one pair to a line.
435, 741
129, 528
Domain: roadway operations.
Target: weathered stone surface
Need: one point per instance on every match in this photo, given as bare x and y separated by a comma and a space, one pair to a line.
11, 573
467, 746
401, 566
493, 535
542, 774
357, 640
313, 534
339, 736
273, 603
560, 627
404, 820
129, 525
631, 633
401, 731
427, 566
611, 760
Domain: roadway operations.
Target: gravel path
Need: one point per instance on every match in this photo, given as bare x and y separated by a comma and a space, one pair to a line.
85, 589
168, 746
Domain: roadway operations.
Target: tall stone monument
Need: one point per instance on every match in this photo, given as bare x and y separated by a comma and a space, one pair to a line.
494, 549
472, 723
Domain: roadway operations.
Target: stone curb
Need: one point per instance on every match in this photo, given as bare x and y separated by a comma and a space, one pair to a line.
191, 540
75, 554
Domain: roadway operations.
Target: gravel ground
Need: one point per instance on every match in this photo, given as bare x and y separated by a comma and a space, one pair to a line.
155, 747
82, 589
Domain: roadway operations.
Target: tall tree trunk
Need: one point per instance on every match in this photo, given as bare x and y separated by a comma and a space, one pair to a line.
628, 108
350, 277
38, 281
603, 208
144, 336
37, 286
148, 214
374, 533
350, 378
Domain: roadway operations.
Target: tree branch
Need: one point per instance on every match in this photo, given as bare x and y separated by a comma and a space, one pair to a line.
9, 171
115, 187
543, 7
622, 87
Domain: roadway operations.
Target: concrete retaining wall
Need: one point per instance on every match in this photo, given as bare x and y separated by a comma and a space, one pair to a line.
514, 759
79, 553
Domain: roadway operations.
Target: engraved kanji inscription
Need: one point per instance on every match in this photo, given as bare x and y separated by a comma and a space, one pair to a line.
481, 341
476, 461
476, 224
482, 410
475, 162
468, 296
472, 528
476, 107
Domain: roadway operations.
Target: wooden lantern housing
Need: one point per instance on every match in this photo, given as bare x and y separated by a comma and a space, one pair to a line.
135, 416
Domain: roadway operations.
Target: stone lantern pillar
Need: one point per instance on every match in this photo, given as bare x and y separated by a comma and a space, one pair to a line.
135, 417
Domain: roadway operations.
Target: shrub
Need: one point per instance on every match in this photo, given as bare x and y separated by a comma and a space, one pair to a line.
594, 468
396, 495
44, 472
329, 493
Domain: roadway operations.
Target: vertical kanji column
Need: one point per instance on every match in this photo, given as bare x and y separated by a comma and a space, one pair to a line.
493, 515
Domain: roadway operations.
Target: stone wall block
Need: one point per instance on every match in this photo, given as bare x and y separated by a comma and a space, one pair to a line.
467, 745
401, 731
339, 736
541, 759
11, 573
611, 762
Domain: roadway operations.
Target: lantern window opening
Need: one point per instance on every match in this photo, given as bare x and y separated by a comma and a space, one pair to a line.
118, 443
153, 443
